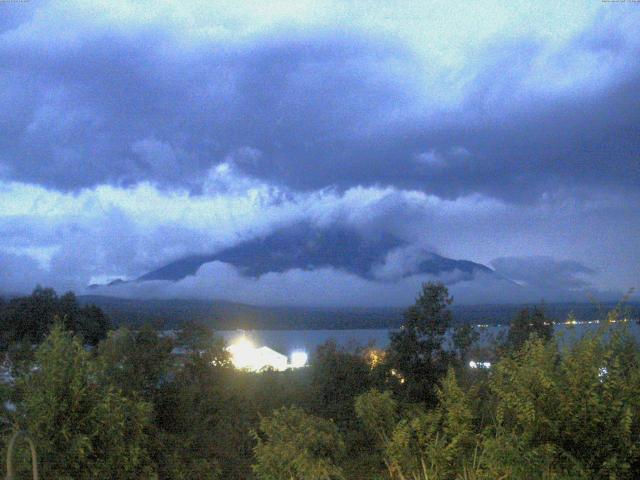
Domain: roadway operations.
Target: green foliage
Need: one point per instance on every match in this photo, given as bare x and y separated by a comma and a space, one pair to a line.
540, 413
337, 377
526, 385
136, 362
549, 409
416, 352
204, 419
422, 444
453, 422
464, 336
526, 324
378, 411
195, 336
82, 429
29, 319
572, 411
292, 445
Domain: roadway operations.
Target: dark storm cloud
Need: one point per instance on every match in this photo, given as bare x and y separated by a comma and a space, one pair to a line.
120, 110
130, 139
320, 108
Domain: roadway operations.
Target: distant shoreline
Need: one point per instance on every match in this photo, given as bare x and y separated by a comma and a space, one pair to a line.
222, 315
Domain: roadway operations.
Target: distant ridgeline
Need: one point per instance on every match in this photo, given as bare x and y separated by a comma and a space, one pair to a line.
223, 315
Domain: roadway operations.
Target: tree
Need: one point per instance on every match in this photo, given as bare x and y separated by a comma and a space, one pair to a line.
195, 336
599, 408
378, 412
526, 324
416, 353
29, 319
292, 445
92, 323
453, 421
204, 420
83, 429
337, 377
464, 336
574, 412
137, 362
421, 444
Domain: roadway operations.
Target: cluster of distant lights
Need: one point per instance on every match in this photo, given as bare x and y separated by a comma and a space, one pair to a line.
591, 322
474, 364
569, 322
246, 356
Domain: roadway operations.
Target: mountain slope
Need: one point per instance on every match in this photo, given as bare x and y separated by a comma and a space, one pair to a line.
305, 247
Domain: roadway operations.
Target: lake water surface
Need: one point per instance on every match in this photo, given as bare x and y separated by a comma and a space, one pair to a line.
286, 341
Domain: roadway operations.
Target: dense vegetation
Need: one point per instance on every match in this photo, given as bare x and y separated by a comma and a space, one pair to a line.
28, 320
130, 409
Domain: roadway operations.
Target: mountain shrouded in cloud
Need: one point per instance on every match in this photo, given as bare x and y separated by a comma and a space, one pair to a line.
336, 152
303, 246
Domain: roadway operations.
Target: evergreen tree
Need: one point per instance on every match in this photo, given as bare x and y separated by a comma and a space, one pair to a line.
29, 319
416, 354
464, 336
526, 324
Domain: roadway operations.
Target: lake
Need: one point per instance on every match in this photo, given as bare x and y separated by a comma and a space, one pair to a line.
287, 341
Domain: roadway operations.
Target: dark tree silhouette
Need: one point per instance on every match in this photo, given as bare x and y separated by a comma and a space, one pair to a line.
417, 358
528, 323
29, 319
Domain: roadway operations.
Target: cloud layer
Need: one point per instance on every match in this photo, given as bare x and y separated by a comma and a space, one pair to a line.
132, 135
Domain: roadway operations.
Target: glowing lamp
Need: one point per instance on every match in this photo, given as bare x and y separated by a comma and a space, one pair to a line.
299, 359
242, 354
473, 364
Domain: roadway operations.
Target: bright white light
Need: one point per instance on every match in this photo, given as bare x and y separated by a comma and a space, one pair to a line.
245, 356
473, 364
299, 359
242, 354
602, 373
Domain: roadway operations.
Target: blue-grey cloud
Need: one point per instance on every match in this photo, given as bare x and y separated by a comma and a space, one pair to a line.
70, 240
132, 137
323, 107
544, 272
329, 287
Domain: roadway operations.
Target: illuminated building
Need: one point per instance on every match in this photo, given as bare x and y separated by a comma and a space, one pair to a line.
245, 356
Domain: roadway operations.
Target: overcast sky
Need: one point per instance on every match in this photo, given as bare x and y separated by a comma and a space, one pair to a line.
505, 133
